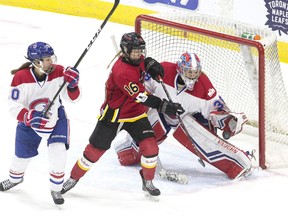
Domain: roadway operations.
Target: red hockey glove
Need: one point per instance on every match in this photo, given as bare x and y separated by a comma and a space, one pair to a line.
71, 76
35, 119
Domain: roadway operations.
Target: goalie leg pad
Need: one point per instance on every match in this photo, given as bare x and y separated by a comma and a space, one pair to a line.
129, 156
160, 132
214, 150
127, 150
158, 125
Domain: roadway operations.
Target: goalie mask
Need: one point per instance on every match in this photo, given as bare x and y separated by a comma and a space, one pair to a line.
189, 69
133, 47
42, 56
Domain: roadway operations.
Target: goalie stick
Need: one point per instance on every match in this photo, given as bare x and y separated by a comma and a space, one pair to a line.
182, 124
170, 175
116, 3
166, 175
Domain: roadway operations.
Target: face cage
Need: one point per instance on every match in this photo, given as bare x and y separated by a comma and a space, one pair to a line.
135, 61
40, 62
189, 82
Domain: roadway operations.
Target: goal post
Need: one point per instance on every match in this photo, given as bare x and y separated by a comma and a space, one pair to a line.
246, 73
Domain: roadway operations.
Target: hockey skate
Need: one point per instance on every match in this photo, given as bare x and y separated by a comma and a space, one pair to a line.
151, 191
244, 174
248, 171
57, 197
7, 184
68, 185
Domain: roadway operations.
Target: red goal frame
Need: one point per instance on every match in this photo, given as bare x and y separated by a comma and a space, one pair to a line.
261, 65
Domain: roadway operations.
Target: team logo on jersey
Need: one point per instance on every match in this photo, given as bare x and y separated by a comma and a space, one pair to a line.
211, 92
39, 104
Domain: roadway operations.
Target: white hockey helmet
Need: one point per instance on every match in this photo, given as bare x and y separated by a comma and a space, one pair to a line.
189, 68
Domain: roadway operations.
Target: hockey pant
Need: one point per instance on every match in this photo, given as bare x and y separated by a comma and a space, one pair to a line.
219, 153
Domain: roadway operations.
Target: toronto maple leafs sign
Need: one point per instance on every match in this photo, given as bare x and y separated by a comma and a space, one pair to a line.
277, 15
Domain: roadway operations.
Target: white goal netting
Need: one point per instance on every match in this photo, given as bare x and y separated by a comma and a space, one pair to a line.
246, 73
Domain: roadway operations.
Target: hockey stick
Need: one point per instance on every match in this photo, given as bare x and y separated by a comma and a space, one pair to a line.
116, 3
183, 125
118, 51
170, 175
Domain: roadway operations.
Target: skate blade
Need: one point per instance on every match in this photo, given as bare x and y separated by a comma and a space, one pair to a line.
59, 207
151, 198
244, 174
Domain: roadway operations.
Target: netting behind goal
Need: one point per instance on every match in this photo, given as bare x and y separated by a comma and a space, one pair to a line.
245, 72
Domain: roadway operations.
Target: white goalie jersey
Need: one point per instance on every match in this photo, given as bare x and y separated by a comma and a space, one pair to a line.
192, 102
203, 99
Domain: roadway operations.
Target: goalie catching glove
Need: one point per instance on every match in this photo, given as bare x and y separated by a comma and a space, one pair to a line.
229, 122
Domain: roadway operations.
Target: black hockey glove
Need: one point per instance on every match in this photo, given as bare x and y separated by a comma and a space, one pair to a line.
170, 108
154, 68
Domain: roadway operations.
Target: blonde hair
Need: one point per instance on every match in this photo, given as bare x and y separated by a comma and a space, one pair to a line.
117, 54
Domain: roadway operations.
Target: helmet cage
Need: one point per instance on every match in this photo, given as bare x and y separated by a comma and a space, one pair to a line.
40, 65
189, 68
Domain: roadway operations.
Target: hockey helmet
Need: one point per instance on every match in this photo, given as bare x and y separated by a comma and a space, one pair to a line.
130, 41
189, 68
39, 50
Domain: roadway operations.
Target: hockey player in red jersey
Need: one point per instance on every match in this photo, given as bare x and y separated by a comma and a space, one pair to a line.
124, 108
33, 87
205, 112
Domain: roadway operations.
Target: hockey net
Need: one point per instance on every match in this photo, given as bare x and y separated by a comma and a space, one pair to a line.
245, 72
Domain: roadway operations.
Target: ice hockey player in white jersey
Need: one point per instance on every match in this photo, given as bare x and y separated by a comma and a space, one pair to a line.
33, 87
205, 113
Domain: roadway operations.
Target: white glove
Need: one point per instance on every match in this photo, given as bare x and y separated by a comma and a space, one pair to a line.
229, 122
